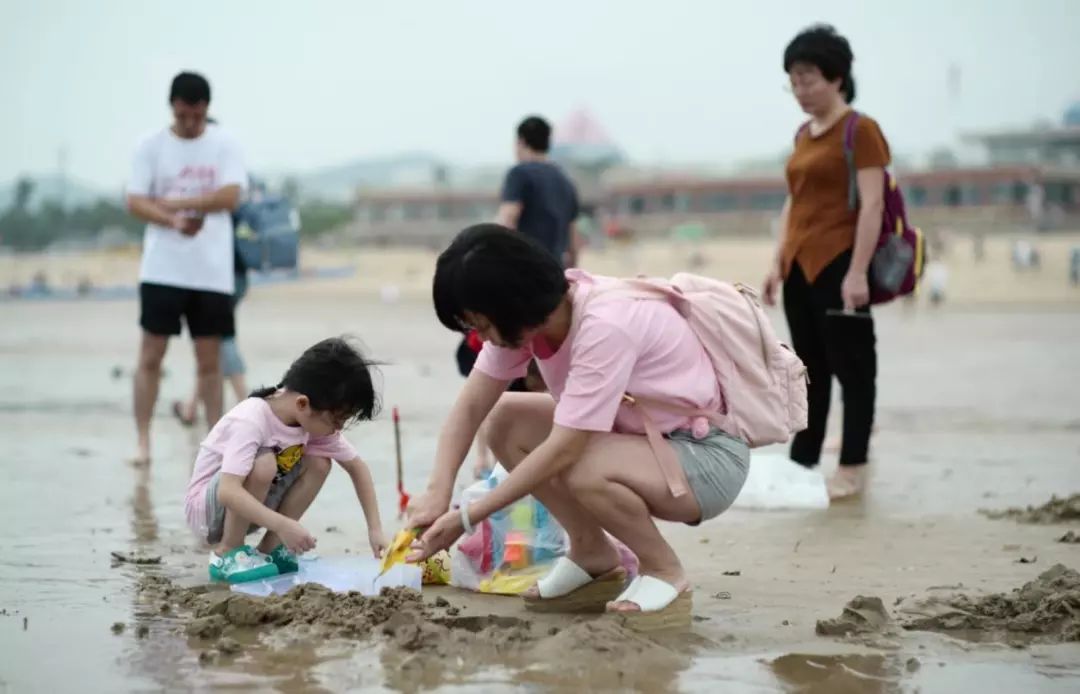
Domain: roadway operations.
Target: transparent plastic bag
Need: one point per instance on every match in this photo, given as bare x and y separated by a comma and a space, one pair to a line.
510, 550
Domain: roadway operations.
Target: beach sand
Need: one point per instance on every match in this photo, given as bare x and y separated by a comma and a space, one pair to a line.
978, 410
407, 271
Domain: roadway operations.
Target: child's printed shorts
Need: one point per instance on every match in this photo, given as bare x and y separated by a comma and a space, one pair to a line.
215, 510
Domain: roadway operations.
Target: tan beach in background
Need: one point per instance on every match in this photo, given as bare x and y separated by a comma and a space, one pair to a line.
407, 271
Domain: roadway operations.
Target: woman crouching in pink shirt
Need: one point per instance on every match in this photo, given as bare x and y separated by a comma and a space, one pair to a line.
581, 450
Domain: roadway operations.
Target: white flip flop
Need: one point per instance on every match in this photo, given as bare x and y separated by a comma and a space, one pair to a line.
570, 588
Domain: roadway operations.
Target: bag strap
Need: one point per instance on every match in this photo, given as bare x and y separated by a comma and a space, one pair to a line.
662, 451
802, 128
849, 159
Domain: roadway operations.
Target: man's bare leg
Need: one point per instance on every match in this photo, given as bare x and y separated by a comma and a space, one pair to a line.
211, 382
187, 411
147, 381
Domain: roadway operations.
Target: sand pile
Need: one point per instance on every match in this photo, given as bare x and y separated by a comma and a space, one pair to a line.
1046, 610
1054, 511
349, 615
209, 613
862, 615
422, 643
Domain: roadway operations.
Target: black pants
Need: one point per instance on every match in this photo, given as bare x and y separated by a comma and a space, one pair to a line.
830, 343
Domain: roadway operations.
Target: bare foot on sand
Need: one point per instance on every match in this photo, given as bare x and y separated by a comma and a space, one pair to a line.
184, 413
846, 482
142, 455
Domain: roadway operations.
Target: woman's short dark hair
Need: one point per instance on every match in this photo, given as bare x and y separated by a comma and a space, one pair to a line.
500, 274
336, 377
826, 50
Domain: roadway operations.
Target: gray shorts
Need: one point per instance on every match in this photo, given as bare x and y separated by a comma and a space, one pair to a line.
715, 466
215, 510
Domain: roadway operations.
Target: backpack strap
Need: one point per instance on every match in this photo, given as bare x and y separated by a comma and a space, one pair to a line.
849, 158
662, 450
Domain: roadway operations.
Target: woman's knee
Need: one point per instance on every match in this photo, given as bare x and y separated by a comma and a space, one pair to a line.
580, 478
510, 419
500, 422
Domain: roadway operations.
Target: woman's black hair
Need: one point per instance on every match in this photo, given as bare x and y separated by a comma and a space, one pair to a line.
336, 377
826, 50
500, 274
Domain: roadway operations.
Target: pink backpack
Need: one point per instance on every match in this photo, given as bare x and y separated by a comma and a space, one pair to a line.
762, 381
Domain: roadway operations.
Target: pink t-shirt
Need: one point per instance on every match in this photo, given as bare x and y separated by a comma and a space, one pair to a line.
620, 345
234, 441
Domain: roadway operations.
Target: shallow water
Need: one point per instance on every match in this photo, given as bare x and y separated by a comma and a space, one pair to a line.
977, 410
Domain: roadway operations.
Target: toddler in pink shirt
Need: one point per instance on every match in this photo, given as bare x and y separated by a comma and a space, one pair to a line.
266, 460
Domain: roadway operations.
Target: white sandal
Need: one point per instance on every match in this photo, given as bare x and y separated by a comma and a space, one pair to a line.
661, 605
570, 588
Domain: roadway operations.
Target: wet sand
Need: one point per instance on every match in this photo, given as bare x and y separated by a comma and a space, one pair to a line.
978, 410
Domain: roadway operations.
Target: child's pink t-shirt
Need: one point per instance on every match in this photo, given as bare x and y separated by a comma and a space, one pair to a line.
234, 442
620, 345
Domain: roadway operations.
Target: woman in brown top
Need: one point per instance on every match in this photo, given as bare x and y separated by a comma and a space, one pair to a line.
824, 250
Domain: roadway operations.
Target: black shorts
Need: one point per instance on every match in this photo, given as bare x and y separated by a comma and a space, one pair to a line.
207, 314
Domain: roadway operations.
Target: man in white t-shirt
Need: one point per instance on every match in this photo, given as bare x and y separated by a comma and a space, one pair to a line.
185, 181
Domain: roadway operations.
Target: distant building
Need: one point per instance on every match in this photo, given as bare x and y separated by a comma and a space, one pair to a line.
984, 198
425, 217
1054, 151
1033, 180
1048, 145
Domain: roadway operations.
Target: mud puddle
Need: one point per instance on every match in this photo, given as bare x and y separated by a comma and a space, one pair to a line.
874, 673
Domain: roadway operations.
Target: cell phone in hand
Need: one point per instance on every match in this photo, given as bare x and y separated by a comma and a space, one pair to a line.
842, 313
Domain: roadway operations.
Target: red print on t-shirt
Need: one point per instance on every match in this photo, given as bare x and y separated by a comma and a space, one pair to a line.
192, 180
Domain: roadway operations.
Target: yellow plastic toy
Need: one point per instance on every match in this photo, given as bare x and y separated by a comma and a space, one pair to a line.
398, 549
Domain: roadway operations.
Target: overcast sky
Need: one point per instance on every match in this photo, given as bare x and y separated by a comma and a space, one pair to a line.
307, 84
